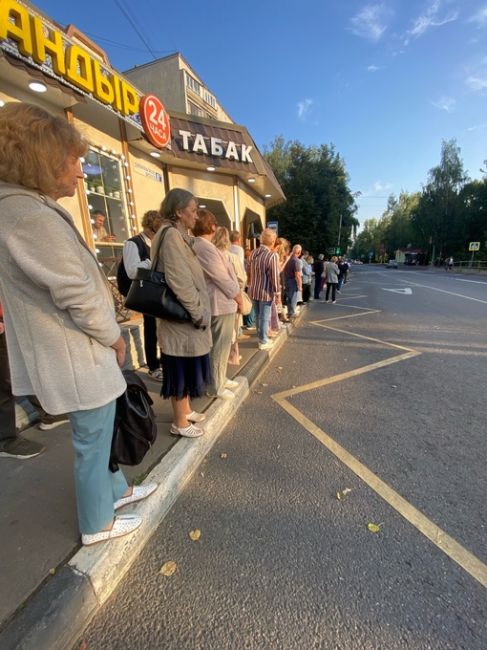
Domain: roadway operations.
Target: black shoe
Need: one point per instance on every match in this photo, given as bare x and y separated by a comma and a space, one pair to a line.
21, 448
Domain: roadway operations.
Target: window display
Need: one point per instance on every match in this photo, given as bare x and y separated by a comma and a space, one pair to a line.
108, 211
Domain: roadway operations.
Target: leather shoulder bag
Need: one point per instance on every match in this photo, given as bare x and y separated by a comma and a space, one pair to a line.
149, 293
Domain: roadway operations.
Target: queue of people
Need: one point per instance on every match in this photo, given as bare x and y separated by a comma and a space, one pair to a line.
65, 347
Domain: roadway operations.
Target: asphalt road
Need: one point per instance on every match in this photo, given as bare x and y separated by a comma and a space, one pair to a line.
381, 396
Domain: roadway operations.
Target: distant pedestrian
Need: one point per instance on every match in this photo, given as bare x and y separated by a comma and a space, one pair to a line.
307, 271
293, 277
318, 267
331, 277
449, 264
342, 273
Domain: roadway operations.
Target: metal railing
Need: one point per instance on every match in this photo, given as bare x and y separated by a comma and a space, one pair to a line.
471, 265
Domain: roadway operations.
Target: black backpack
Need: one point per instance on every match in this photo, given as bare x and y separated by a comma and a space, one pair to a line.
123, 280
135, 428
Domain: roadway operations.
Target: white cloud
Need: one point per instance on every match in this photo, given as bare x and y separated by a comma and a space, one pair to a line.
476, 78
477, 127
371, 21
476, 83
480, 17
429, 19
379, 186
304, 107
373, 68
445, 104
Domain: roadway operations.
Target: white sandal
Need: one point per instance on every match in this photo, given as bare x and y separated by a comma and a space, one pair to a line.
187, 432
122, 525
139, 492
195, 417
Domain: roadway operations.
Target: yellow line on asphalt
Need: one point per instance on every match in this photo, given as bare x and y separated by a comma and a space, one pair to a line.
362, 336
365, 313
344, 375
471, 564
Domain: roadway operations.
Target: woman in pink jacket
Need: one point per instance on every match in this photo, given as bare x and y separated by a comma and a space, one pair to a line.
225, 301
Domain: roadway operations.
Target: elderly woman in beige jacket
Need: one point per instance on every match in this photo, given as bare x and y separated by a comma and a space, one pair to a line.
64, 342
185, 346
225, 301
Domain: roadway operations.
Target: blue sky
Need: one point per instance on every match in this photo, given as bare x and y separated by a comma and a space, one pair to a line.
385, 82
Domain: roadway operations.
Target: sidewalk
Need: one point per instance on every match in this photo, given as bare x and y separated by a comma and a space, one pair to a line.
51, 585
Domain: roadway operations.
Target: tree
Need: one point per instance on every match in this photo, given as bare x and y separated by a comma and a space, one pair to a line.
436, 216
320, 207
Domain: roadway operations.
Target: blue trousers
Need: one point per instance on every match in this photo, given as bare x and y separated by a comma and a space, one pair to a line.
262, 309
97, 488
291, 297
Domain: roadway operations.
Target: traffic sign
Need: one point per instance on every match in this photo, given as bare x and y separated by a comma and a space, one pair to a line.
474, 246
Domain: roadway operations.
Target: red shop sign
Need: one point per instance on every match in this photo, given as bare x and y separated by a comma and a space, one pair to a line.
155, 121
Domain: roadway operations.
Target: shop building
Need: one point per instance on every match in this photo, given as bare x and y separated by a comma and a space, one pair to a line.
138, 150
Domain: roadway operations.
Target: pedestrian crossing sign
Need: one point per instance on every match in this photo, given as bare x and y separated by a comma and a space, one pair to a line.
474, 246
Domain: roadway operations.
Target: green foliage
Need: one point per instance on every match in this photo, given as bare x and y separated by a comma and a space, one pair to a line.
315, 183
450, 212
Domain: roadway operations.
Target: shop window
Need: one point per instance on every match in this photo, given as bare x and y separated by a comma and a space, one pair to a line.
106, 203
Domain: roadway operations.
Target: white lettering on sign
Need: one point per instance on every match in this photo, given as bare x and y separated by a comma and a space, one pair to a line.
198, 143
216, 147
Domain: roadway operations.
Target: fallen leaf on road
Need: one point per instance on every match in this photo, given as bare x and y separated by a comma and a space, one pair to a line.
393, 386
202, 474
280, 368
223, 455
374, 528
195, 534
343, 493
168, 568
264, 384
52, 571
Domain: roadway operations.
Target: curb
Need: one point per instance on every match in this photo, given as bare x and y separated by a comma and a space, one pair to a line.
58, 612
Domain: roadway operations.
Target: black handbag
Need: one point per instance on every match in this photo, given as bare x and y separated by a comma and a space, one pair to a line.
135, 429
149, 293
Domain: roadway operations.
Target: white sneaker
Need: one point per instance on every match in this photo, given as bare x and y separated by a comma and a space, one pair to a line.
266, 346
231, 384
139, 492
155, 374
122, 525
191, 431
225, 394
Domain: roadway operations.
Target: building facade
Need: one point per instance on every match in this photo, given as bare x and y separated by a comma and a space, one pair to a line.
138, 149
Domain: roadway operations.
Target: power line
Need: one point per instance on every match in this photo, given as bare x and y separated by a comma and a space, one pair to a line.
137, 30
125, 46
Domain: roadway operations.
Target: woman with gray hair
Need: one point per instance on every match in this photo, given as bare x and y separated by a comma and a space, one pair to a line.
64, 342
185, 345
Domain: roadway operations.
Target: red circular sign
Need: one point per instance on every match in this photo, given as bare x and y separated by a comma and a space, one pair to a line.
155, 121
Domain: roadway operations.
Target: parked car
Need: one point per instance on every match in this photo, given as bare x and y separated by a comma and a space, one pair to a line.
391, 264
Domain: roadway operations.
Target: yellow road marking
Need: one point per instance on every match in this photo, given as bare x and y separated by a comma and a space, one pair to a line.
365, 313
344, 375
455, 551
471, 564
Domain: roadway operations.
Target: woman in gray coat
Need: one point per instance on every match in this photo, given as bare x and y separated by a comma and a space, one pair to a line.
185, 346
64, 342
331, 278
